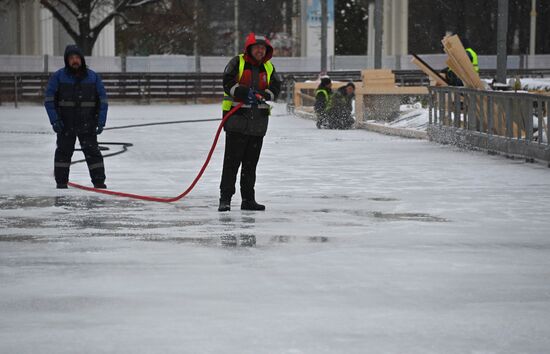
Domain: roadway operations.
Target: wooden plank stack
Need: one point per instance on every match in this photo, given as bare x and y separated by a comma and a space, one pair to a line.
382, 77
460, 63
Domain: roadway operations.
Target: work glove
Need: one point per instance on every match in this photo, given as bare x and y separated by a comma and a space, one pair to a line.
263, 96
251, 99
58, 126
99, 129
254, 97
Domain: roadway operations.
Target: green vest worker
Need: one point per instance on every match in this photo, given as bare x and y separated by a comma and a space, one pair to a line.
322, 101
249, 78
471, 53
473, 58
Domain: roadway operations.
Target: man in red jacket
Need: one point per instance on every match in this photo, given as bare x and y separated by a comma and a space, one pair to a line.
249, 78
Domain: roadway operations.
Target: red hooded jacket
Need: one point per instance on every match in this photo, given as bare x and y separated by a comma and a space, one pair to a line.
254, 76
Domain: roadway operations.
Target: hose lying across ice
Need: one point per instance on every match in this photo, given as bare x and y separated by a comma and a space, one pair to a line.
161, 199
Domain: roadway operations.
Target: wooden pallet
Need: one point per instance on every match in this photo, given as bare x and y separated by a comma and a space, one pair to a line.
382, 77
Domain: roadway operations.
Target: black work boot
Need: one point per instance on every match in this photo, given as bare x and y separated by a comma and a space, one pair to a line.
100, 185
225, 205
251, 205
61, 186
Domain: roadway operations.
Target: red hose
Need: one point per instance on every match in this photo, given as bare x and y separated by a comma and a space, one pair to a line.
167, 200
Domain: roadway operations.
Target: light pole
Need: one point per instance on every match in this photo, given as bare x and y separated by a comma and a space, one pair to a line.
502, 34
324, 24
533, 35
378, 28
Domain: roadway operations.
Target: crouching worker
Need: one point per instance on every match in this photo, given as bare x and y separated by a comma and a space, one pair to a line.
322, 101
249, 78
76, 104
339, 114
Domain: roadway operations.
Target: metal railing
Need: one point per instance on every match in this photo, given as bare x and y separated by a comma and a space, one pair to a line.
514, 123
15, 87
514, 115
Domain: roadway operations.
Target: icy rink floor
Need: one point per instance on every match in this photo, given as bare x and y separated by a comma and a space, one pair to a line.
370, 244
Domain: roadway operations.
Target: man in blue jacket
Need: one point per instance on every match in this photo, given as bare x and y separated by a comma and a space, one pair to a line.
76, 104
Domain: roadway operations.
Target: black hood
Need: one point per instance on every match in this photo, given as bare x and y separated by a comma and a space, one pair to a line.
325, 81
73, 49
342, 89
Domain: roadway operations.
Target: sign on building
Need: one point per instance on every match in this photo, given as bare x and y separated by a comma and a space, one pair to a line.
312, 28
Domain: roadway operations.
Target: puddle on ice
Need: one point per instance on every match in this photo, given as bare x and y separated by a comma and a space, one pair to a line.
383, 199
73, 202
202, 241
20, 238
384, 216
407, 217
17, 222
287, 239
234, 240
243, 240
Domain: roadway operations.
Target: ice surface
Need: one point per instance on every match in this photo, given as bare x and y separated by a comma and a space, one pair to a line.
370, 244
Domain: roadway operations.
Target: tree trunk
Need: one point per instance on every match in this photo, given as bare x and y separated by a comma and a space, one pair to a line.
86, 44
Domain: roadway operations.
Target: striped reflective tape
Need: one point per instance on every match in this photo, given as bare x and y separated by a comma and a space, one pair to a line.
67, 104
232, 91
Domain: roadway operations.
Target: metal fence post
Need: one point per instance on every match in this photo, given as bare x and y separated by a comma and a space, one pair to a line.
457, 108
490, 114
540, 120
508, 118
430, 104
472, 116
529, 126
15, 90
441, 107
547, 122
449, 107
46, 64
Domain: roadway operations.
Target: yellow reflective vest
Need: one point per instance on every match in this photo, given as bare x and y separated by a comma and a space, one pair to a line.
474, 59
327, 97
228, 101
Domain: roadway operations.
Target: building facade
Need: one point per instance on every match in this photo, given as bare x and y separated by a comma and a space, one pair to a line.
27, 28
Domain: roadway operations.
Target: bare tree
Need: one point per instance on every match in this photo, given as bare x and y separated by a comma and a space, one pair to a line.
85, 19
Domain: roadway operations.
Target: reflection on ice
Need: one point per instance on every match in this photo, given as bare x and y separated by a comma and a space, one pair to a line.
243, 240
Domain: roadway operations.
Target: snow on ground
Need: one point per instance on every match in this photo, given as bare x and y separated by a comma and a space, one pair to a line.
411, 116
370, 244
539, 84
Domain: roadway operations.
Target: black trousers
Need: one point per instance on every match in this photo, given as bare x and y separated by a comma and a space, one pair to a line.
244, 151
64, 153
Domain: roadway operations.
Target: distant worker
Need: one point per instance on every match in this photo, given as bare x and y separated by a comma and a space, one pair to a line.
249, 78
322, 101
450, 76
76, 104
340, 111
471, 54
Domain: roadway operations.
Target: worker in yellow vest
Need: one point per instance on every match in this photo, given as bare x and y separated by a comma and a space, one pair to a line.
248, 78
322, 101
471, 54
